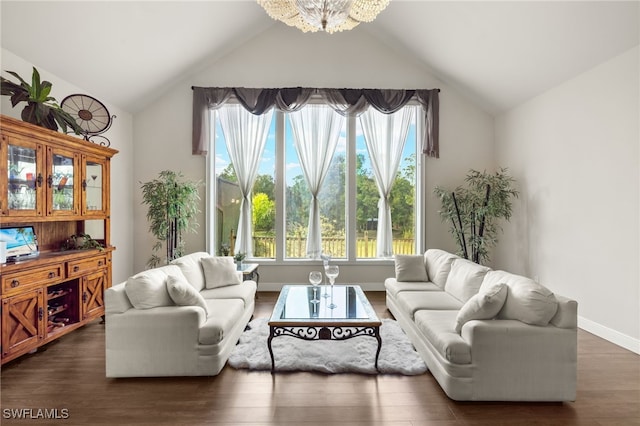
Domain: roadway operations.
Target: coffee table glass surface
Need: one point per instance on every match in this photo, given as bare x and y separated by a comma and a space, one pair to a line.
294, 306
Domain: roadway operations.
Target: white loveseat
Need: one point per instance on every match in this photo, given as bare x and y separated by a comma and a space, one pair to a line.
484, 334
182, 319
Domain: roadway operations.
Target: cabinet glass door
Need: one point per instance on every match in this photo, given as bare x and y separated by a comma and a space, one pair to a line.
93, 182
22, 175
61, 182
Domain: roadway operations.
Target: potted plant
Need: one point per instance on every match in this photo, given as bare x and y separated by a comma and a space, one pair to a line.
42, 109
173, 205
239, 257
81, 242
474, 210
224, 250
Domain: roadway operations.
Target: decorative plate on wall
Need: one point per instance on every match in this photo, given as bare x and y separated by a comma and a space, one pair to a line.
90, 114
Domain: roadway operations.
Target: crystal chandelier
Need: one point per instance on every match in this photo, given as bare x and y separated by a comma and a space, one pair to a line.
326, 15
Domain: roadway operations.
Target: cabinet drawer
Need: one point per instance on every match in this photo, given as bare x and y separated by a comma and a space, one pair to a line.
81, 267
18, 281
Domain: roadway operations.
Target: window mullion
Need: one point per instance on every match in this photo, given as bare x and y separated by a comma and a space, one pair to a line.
420, 184
211, 237
280, 182
351, 225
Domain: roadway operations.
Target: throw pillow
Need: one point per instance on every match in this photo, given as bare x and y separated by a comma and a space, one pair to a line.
148, 289
465, 279
192, 268
527, 301
483, 305
183, 294
410, 267
438, 265
220, 271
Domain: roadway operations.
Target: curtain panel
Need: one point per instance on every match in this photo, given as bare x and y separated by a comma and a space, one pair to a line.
385, 136
316, 131
343, 101
246, 136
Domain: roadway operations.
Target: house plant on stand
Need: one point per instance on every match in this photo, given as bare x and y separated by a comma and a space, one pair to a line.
173, 205
473, 211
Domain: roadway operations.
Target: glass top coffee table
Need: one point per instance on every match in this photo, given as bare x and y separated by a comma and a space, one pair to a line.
296, 315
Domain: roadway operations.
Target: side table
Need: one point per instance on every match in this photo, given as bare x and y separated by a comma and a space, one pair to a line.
250, 272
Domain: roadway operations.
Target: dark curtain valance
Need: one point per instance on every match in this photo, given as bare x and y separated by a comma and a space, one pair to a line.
343, 101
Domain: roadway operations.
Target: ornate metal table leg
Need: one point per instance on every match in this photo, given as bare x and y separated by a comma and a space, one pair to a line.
273, 364
379, 339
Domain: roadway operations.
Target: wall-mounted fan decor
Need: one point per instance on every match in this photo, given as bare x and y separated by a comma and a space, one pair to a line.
91, 115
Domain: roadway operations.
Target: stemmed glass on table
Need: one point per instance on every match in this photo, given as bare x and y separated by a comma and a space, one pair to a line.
326, 258
332, 272
315, 278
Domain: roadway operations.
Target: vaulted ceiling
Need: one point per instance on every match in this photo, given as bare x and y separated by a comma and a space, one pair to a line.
498, 53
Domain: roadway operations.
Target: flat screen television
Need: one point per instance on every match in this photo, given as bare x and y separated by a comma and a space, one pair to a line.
22, 242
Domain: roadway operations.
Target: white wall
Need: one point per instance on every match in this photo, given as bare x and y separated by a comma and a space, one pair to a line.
283, 57
120, 135
574, 151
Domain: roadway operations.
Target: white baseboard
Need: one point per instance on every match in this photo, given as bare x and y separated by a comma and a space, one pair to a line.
278, 286
609, 334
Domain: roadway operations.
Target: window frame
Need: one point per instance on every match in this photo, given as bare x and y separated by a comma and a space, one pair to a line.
280, 189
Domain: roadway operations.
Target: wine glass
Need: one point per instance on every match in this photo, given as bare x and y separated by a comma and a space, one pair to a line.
332, 272
315, 278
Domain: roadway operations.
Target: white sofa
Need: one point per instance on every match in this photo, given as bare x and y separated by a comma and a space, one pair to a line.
515, 340
149, 335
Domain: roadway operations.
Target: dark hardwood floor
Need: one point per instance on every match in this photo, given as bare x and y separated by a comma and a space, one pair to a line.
68, 375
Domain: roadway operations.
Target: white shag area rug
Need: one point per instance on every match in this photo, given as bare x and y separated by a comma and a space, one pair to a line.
355, 355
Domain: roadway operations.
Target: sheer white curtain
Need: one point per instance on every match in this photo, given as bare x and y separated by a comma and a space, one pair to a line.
385, 136
245, 135
316, 130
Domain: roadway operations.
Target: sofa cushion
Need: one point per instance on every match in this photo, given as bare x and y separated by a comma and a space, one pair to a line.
191, 267
393, 286
438, 265
219, 271
224, 315
183, 294
527, 301
410, 267
464, 279
246, 292
437, 327
483, 305
413, 301
148, 289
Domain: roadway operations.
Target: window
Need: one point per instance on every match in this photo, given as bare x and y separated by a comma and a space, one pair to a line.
347, 200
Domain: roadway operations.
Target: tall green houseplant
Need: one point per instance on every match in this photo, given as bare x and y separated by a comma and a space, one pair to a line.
173, 206
475, 209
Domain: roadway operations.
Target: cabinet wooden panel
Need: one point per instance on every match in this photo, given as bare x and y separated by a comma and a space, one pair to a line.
77, 268
56, 183
22, 322
93, 287
37, 277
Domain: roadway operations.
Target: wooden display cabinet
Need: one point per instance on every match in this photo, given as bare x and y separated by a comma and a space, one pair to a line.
58, 184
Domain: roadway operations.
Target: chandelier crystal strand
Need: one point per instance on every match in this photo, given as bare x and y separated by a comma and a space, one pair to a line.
323, 15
